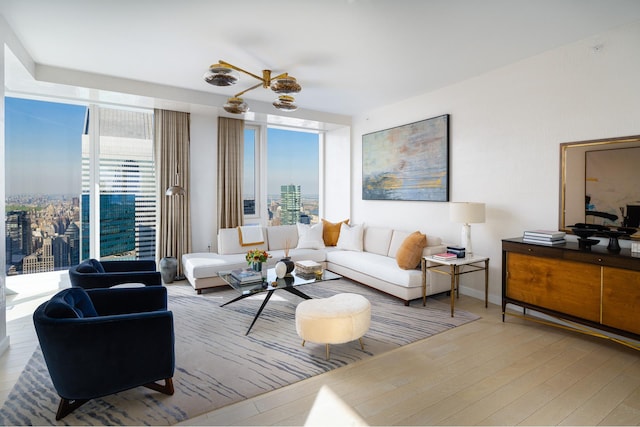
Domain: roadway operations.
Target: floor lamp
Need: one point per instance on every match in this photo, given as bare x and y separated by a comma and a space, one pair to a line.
175, 190
466, 213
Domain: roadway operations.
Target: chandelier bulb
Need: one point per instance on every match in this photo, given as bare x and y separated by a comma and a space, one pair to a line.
236, 105
285, 103
219, 75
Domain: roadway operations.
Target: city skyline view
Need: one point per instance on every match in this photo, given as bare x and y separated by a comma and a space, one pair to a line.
48, 165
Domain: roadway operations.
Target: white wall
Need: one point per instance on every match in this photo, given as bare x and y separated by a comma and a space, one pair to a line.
505, 128
204, 181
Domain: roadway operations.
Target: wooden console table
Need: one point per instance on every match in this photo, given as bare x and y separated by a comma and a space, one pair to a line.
595, 288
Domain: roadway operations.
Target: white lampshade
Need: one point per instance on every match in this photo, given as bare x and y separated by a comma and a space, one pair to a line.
466, 212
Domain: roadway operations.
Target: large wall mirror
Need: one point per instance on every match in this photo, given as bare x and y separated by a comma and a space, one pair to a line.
600, 182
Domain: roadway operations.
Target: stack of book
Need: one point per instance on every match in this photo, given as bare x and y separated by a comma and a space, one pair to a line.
307, 267
445, 256
246, 275
544, 237
457, 250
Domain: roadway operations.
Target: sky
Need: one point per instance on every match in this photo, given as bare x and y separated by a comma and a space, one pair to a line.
43, 151
43, 147
292, 158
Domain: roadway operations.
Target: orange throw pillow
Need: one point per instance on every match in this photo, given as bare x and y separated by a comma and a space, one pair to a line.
410, 251
331, 231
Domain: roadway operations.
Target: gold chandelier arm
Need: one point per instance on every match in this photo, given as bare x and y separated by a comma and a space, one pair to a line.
237, 95
241, 70
281, 76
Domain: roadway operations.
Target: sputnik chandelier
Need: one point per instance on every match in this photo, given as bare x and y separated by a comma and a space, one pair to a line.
283, 84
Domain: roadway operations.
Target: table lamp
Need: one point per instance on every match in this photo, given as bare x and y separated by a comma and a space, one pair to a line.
466, 213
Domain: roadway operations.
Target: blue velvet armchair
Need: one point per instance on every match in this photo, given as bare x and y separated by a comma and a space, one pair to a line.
91, 273
103, 341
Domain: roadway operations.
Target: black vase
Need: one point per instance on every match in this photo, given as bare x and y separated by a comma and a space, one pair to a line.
290, 265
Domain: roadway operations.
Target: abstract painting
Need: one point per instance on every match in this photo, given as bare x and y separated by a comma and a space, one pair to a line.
408, 162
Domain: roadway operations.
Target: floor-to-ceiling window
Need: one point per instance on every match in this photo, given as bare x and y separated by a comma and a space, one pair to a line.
43, 142
55, 168
291, 172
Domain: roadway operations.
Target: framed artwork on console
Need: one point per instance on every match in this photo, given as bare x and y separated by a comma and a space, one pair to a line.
408, 162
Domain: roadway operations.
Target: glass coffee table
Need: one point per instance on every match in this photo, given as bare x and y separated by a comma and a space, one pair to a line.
271, 284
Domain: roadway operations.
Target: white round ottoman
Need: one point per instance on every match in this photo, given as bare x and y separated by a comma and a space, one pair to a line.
334, 320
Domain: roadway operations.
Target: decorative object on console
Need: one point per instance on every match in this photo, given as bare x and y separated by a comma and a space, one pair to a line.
466, 213
283, 84
544, 237
409, 162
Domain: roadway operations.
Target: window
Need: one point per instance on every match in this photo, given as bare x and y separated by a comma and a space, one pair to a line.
127, 202
42, 184
249, 183
292, 174
48, 177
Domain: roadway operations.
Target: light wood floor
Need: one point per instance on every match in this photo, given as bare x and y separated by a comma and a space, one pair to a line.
483, 373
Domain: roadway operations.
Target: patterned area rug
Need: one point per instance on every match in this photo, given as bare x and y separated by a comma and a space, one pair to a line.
216, 364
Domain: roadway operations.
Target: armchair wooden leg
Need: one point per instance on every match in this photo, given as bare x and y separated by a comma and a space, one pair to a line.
167, 388
67, 406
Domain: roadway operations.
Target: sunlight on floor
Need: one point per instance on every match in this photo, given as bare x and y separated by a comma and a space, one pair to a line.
329, 410
26, 292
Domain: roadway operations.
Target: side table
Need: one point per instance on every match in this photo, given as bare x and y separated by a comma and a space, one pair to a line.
474, 262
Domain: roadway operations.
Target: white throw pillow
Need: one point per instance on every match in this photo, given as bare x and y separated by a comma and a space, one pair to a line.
310, 237
351, 238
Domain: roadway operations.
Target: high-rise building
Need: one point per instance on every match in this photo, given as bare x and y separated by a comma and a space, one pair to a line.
290, 204
18, 242
72, 233
41, 261
127, 179
60, 251
117, 225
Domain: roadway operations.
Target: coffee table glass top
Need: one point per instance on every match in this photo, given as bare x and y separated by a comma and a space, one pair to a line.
273, 283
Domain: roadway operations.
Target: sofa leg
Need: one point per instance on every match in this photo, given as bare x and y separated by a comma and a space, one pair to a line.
199, 291
67, 406
406, 303
167, 388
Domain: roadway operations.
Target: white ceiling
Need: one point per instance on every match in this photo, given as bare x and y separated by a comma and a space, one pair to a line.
348, 55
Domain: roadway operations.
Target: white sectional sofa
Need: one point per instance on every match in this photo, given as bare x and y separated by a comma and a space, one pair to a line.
374, 265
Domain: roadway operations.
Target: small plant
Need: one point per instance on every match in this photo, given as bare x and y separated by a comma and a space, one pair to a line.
257, 255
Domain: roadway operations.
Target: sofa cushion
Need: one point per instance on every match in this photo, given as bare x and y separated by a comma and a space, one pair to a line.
282, 235
379, 266
90, 266
331, 231
229, 242
70, 303
351, 238
409, 254
377, 240
310, 236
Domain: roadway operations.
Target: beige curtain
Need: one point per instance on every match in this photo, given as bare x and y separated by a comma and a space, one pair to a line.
171, 143
230, 170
